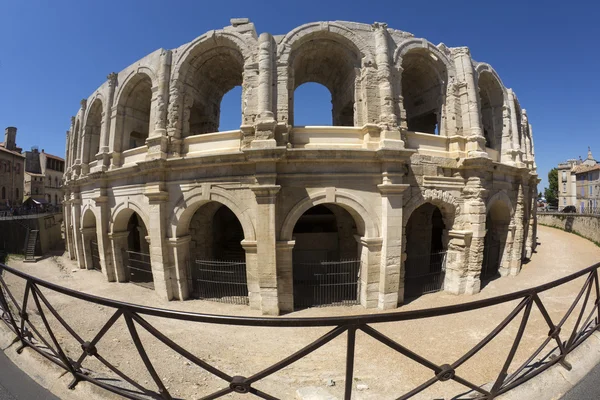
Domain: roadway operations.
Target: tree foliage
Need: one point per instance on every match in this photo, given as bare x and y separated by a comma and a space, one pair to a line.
551, 192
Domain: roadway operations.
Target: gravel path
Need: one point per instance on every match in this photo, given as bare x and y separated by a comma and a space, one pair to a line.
246, 350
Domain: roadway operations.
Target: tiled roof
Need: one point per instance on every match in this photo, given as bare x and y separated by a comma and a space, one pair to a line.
580, 169
53, 156
11, 152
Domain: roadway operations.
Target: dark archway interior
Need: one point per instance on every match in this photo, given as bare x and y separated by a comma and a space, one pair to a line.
136, 240
423, 90
492, 102
496, 225
137, 104
326, 262
332, 65
137, 256
425, 251
92, 130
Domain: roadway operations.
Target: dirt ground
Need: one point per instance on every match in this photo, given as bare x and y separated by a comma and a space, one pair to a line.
380, 372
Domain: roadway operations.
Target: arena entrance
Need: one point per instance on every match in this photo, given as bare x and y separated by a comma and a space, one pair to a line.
425, 252
326, 263
137, 255
91, 241
218, 267
496, 225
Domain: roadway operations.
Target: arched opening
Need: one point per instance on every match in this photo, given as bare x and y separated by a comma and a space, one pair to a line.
426, 246
215, 73
494, 252
332, 64
312, 105
231, 109
137, 255
90, 240
492, 102
136, 102
326, 259
92, 131
423, 90
218, 266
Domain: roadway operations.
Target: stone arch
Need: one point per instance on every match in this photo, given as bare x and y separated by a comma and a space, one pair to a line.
366, 223
493, 100
188, 204
424, 45
330, 55
133, 76
92, 128
207, 69
121, 214
447, 204
89, 219
502, 197
134, 101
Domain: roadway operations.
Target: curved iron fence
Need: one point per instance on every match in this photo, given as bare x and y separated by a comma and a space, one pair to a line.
17, 316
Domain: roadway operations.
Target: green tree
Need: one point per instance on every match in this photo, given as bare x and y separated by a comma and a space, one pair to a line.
551, 192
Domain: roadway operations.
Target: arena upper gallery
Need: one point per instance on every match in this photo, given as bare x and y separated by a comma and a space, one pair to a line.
425, 181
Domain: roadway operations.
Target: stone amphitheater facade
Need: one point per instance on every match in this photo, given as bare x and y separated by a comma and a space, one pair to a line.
428, 152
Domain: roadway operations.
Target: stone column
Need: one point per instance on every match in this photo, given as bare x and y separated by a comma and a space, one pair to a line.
519, 218
103, 155
369, 275
514, 129
158, 140
265, 125
266, 196
116, 136
118, 242
469, 100
458, 278
506, 258
388, 120
76, 204
78, 150
285, 275
180, 254
531, 239
391, 249
87, 234
162, 271
69, 160
252, 274
104, 247
68, 221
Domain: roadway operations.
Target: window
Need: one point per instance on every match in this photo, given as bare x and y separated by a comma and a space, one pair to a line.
564, 187
564, 201
17, 194
3, 193
36, 191
18, 168
564, 176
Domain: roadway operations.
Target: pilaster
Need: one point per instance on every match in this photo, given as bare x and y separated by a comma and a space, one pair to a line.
118, 241
285, 275
104, 246
179, 248
76, 207
252, 274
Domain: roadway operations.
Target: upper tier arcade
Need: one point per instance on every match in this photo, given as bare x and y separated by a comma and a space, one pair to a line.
389, 90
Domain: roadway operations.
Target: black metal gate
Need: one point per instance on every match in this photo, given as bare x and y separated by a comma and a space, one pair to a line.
222, 281
140, 269
421, 279
322, 283
95, 255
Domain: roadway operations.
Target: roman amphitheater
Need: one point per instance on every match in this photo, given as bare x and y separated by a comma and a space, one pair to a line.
424, 181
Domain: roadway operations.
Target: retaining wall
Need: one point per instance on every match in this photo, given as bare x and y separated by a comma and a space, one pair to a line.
586, 225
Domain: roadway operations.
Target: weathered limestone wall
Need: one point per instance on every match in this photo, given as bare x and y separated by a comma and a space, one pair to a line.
587, 226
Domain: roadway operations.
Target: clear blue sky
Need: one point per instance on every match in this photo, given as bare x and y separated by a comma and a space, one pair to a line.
54, 53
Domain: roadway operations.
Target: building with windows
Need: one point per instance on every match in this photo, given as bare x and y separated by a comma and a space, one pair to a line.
12, 164
425, 180
579, 184
43, 177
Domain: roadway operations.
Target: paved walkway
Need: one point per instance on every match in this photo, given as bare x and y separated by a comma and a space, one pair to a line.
586, 389
17, 385
246, 350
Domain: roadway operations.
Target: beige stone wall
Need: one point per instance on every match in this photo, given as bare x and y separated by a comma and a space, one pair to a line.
409, 128
587, 226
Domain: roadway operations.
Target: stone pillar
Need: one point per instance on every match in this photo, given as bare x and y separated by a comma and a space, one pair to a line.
87, 234
469, 100
162, 271
252, 275
69, 160
266, 196
104, 247
285, 275
519, 218
388, 120
531, 239
369, 275
103, 155
118, 242
514, 129
76, 204
506, 258
174, 118
458, 278
80, 143
391, 249
158, 140
180, 255
68, 221
117, 116
265, 127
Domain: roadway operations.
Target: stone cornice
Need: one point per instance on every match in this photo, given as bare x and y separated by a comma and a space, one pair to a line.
265, 190
392, 188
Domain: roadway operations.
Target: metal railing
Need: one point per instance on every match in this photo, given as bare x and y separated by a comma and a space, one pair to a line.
424, 273
220, 281
139, 267
18, 315
326, 283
